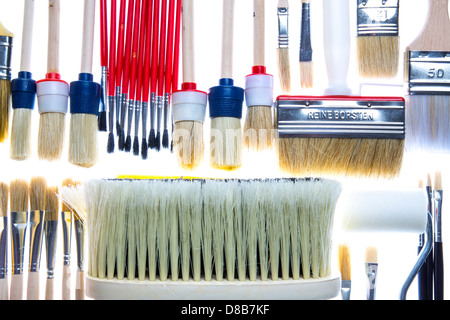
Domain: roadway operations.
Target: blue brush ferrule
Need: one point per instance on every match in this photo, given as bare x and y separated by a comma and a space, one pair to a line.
23, 91
85, 95
225, 100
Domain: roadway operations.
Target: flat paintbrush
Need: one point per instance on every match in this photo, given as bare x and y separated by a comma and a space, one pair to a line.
66, 222
284, 66
6, 42
51, 231
371, 268
345, 269
4, 225
306, 62
437, 247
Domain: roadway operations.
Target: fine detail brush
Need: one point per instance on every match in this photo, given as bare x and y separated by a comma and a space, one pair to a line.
225, 104
66, 222
112, 99
6, 43
437, 247
50, 231
120, 60
422, 274
176, 57
23, 92
345, 269
258, 126
4, 201
426, 65
306, 63
52, 94
102, 117
85, 95
38, 186
19, 207
284, 66
188, 104
371, 268
377, 41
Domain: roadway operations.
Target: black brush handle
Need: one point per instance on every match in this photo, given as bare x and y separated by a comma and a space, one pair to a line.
422, 278
430, 272
438, 272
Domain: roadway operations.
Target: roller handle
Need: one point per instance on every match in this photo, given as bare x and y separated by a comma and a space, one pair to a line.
16, 291
54, 10
258, 33
33, 286
227, 39
27, 36
88, 36
438, 272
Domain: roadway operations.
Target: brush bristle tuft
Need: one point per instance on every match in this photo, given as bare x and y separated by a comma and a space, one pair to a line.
306, 74
5, 97
258, 128
136, 146
378, 56
37, 193
284, 71
127, 145
110, 146
144, 149
371, 254
438, 181
152, 139
345, 266
51, 203
165, 139
121, 142
4, 194
158, 141
19, 195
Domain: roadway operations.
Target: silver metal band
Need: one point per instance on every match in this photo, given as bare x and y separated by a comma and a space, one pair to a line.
428, 72
378, 17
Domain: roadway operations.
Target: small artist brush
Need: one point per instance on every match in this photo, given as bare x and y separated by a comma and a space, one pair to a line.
112, 103
6, 41
102, 118
23, 92
120, 56
51, 230
36, 225
438, 248
19, 207
371, 267
66, 221
345, 269
306, 62
4, 196
176, 57
425, 274
284, 71
152, 144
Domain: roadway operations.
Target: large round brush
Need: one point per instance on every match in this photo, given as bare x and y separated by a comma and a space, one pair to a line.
225, 104
84, 100
258, 90
188, 104
52, 94
23, 91
6, 41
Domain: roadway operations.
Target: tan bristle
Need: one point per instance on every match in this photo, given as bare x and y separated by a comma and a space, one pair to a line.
4, 194
258, 128
188, 143
19, 196
226, 143
5, 102
20, 148
51, 135
345, 266
371, 255
378, 56
429, 182
83, 144
51, 203
38, 186
284, 69
306, 74
420, 184
68, 182
438, 181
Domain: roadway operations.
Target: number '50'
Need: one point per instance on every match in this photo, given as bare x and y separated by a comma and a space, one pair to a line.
436, 73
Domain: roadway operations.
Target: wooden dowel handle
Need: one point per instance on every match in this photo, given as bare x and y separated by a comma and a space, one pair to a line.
27, 36
88, 36
258, 33
188, 41
227, 39
54, 9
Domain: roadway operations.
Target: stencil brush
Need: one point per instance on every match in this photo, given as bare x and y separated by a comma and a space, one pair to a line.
284, 66
152, 144
51, 230
6, 42
23, 92
4, 225
306, 62
102, 117
112, 102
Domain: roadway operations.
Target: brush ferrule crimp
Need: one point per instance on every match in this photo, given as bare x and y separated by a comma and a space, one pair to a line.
437, 195
152, 109
346, 289
378, 17
103, 85
371, 273
283, 27
428, 72
329, 118
130, 115
137, 116
50, 241
159, 105
112, 106
144, 118
118, 104
166, 109
305, 35
67, 235
36, 235
19, 224
3, 247
123, 108
6, 44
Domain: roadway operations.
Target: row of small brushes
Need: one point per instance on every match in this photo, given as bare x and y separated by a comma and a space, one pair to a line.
31, 220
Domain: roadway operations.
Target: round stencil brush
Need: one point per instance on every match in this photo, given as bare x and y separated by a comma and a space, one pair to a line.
225, 104
52, 95
23, 92
84, 100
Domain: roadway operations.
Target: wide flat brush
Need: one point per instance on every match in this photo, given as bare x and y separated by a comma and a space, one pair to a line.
102, 116
438, 247
6, 40
23, 92
19, 208
306, 63
4, 204
284, 66
51, 230
345, 268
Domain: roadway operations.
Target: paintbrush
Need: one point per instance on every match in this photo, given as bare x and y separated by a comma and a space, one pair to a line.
438, 248
371, 267
258, 124
306, 62
6, 42
66, 222
85, 96
4, 195
111, 71
377, 40
176, 57
152, 144
120, 57
36, 226
23, 92
425, 274
19, 207
284, 66
51, 230
345, 269
52, 94
102, 117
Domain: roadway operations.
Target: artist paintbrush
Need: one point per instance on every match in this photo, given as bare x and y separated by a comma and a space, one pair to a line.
152, 144
4, 225
6, 42
102, 117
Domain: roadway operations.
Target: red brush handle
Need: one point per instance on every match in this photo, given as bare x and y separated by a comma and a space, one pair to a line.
127, 53
135, 49
148, 52
112, 52
162, 47
154, 75
140, 69
120, 40
170, 46
103, 34
176, 60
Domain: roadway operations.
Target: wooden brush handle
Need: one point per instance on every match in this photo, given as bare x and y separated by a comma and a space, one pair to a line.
27, 36
4, 290
16, 292
435, 35
258, 33
88, 36
65, 295
54, 9
188, 41
49, 289
227, 39
33, 286
79, 291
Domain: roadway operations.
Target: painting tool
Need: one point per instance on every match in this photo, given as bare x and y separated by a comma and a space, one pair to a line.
36, 227
422, 276
284, 66
6, 43
51, 231
426, 61
152, 144
102, 117
371, 267
176, 57
52, 94
345, 268
306, 63
437, 247
19, 207
120, 56
225, 104
188, 104
338, 133
111, 75
4, 203
377, 41
66, 222
23, 92
258, 124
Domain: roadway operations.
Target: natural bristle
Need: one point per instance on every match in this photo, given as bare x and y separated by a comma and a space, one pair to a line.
226, 143
127, 145
20, 148
136, 146
51, 203
429, 182
284, 71
37, 193
5, 97
4, 195
144, 149
152, 139
438, 181
121, 142
345, 266
371, 255
19, 196
306, 74
83, 144
68, 182
165, 139
158, 141
378, 56
258, 128
51, 135
5, 32
110, 146
188, 143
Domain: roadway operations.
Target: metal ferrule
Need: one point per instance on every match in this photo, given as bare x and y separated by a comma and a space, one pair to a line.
428, 72
438, 194
3, 247
305, 35
144, 118
19, 224
159, 101
283, 27
137, 117
6, 44
346, 289
377, 17
67, 235
130, 115
341, 119
80, 235
112, 106
152, 110
50, 242
118, 103
36, 226
371, 273
166, 109
123, 109
103, 85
